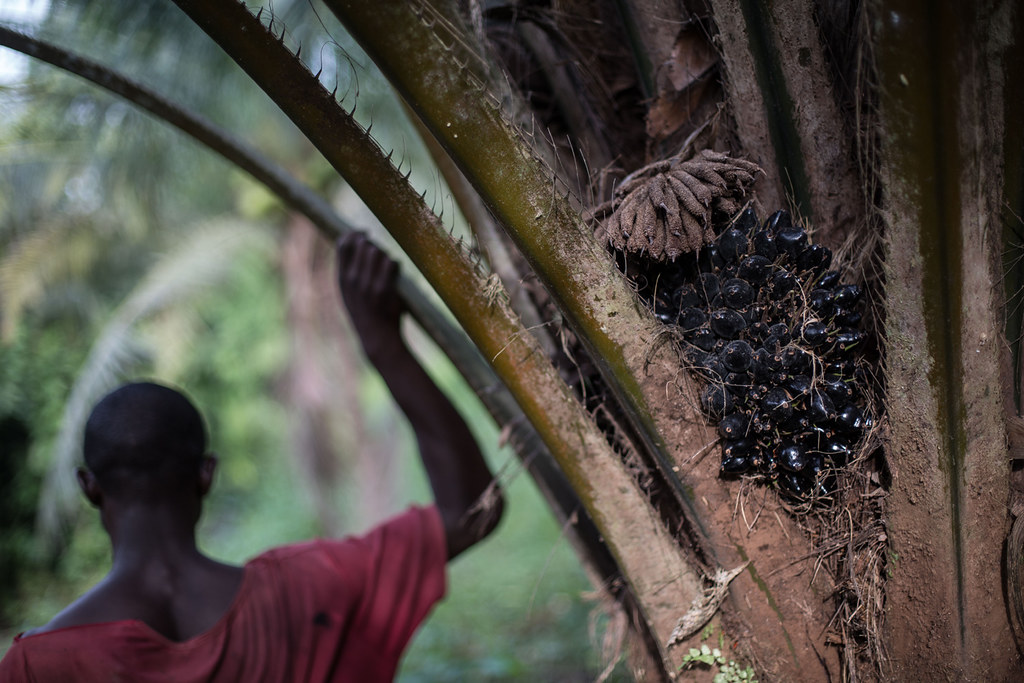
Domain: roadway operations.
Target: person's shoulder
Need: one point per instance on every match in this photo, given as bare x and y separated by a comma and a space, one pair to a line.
412, 518
75, 614
417, 524
88, 609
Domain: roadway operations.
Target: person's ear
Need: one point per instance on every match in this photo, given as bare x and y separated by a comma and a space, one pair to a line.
207, 466
90, 487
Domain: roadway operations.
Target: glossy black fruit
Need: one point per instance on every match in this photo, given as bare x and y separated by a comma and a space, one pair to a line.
711, 258
778, 220
820, 300
740, 446
713, 369
693, 356
776, 405
792, 241
828, 280
703, 338
765, 365
796, 423
795, 360
745, 221
734, 426
665, 317
846, 341
736, 464
738, 383
754, 314
841, 368
782, 283
764, 245
708, 286
754, 269
781, 332
791, 457
815, 258
851, 420
732, 245
775, 341
814, 333
821, 409
838, 451
737, 293
726, 323
838, 389
798, 385
848, 318
737, 355
794, 484
847, 295
692, 318
716, 400
685, 297
757, 331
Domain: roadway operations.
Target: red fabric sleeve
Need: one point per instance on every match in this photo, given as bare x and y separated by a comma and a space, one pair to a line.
403, 580
14, 667
392, 577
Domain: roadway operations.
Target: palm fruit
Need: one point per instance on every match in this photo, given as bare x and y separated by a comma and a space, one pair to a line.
774, 339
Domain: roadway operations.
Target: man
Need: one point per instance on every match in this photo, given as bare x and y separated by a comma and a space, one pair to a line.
315, 611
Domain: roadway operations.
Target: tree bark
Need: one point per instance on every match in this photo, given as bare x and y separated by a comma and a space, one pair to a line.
941, 115
787, 114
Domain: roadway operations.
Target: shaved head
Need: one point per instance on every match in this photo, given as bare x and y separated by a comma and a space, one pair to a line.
144, 431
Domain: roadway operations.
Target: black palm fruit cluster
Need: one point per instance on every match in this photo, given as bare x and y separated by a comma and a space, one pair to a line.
774, 338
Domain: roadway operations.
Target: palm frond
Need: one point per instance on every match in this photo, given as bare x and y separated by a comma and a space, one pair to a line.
38, 261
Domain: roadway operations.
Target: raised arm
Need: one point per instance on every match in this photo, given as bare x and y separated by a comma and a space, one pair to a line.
459, 476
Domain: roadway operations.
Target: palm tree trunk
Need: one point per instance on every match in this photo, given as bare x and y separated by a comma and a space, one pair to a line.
787, 113
940, 78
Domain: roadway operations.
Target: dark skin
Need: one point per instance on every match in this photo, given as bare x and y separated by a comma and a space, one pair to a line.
159, 576
458, 474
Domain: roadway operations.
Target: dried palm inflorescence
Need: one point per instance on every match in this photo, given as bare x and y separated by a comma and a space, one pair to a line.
664, 209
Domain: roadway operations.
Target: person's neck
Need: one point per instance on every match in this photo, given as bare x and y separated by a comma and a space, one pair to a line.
144, 537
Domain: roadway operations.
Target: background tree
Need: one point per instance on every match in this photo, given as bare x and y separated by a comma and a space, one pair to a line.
885, 148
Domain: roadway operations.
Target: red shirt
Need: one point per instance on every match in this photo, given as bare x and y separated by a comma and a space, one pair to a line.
315, 611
